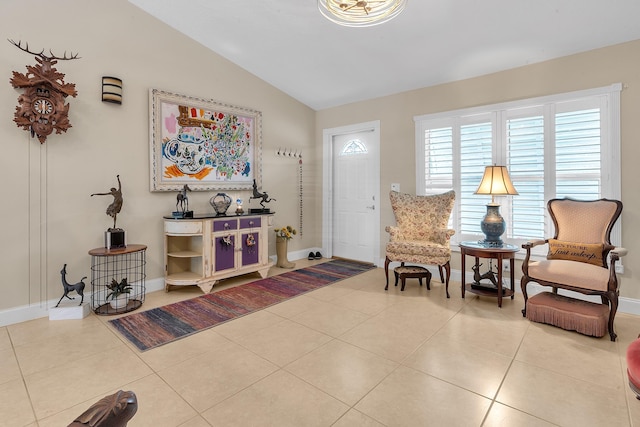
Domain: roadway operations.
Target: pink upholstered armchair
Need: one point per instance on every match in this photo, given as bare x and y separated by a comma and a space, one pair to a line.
577, 255
421, 235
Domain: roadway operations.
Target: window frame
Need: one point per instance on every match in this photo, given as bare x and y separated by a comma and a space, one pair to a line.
609, 104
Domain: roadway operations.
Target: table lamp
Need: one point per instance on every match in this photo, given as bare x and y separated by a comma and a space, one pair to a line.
496, 182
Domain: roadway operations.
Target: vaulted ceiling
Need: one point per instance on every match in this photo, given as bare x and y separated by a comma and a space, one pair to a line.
290, 45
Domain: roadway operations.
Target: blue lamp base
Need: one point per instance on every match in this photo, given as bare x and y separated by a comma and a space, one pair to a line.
493, 226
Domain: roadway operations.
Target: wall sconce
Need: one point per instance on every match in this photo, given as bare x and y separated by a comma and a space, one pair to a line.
111, 90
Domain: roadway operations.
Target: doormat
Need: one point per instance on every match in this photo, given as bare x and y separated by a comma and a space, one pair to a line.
162, 325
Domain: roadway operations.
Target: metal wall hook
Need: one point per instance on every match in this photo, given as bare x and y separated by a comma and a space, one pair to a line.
289, 152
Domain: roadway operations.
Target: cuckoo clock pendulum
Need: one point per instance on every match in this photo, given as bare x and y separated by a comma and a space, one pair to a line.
41, 108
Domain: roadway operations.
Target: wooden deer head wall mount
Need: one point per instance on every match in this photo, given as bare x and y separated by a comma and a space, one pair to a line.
41, 108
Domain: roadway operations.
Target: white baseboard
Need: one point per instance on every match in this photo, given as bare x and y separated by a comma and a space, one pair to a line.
625, 305
31, 312
300, 254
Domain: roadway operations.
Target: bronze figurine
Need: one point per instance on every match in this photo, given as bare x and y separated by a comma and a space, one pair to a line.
68, 287
114, 208
258, 195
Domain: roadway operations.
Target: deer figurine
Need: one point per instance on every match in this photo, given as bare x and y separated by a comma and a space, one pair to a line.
477, 277
68, 287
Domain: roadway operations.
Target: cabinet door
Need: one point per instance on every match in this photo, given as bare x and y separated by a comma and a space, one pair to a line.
250, 248
251, 237
224, 251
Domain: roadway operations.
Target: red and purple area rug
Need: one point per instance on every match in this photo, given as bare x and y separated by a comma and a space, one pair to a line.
162, 325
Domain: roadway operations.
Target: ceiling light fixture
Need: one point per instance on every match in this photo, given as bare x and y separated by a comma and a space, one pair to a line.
360, 13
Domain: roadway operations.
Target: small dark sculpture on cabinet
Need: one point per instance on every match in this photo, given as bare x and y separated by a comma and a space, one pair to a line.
114, 410
78, 287
182, 199
182, 204
258, 195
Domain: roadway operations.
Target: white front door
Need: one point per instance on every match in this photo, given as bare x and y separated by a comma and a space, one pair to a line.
353, 218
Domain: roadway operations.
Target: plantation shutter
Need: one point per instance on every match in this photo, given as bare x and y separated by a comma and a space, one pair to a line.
438, 148
476, 140
526, 159
565, 145
578, 165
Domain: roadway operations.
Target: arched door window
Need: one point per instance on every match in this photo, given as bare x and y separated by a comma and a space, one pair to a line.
355, 146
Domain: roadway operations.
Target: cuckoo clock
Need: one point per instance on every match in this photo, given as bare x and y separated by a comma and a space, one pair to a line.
41, 108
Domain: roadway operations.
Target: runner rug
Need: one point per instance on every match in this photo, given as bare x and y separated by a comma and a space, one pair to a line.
162, 325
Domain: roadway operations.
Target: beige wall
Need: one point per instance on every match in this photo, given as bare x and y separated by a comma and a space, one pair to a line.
47, 214
49, 219
597, 68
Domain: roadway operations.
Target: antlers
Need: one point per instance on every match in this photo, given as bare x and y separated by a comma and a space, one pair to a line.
41, 53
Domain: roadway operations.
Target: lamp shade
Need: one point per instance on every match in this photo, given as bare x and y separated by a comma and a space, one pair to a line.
496, 182
359, 13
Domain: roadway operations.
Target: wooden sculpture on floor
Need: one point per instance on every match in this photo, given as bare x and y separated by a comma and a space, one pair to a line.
114, 410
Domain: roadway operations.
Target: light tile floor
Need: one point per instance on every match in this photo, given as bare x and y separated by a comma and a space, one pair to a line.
346, 355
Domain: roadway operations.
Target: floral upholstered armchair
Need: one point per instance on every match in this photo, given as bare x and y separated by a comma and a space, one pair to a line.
577, 255
421, 235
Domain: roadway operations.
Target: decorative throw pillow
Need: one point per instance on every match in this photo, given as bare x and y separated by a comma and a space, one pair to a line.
590, 253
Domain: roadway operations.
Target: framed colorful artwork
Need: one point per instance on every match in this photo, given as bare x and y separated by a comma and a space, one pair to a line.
202, 143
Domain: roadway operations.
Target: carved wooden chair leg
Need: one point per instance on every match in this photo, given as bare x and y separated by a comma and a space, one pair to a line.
523, 286
386, 271
613, 308
447, 268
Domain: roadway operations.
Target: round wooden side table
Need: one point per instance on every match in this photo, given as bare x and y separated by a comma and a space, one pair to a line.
479, 250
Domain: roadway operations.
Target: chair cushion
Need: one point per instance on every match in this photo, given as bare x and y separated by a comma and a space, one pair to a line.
582, 252
414, 247
578, 274
419, 252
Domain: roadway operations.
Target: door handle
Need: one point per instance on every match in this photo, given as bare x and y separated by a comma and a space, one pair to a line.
372, 207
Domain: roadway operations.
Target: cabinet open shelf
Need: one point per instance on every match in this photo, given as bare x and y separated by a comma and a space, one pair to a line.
184, 276
184, 254
203, 250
